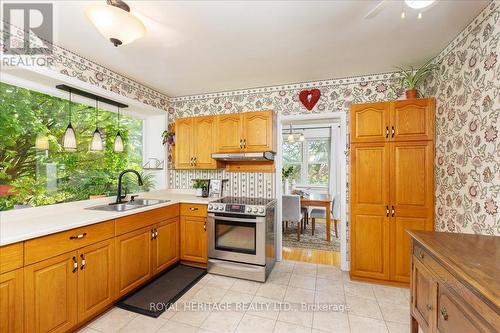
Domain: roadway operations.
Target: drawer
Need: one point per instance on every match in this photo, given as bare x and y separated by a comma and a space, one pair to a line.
144, 219
453, 317
11, 257
194, 210
42, 248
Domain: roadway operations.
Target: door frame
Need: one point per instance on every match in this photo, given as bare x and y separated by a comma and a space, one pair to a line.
336, 118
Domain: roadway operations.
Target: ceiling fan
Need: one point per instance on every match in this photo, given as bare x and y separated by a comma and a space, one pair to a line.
420, 5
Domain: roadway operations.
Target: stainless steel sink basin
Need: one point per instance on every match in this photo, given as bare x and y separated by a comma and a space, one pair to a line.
122, 207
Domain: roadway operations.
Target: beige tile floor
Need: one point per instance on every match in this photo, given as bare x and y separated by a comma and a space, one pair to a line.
373, 308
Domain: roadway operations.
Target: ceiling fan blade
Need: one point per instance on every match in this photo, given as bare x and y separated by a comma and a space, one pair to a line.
376, 10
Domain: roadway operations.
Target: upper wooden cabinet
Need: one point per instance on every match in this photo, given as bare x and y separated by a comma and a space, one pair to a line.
195, 142
246, 132
404, 120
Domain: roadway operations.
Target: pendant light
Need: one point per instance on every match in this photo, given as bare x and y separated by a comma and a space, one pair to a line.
302, 137
118, 145
291, 139
69, 139
96, 144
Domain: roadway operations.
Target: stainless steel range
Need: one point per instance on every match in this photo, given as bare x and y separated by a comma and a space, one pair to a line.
241, 237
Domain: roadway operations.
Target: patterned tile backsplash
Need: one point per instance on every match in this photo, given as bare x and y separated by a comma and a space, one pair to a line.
239, 184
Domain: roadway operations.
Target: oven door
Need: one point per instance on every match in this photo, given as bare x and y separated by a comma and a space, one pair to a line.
237, 238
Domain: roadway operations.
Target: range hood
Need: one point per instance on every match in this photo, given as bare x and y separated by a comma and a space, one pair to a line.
260, 156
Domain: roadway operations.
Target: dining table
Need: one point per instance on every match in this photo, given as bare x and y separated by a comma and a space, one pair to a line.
320, 200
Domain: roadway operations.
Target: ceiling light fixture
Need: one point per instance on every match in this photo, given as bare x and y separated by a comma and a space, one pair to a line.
290, 138
69, 138
115, 22
419, 4
97, 143
118, 145
302, 137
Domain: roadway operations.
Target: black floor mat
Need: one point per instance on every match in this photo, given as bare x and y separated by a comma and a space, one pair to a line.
155, 297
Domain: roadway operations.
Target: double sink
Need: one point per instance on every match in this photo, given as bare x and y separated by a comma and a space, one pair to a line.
129, 205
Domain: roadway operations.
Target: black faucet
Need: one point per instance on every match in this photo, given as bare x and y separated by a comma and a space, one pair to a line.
119, 196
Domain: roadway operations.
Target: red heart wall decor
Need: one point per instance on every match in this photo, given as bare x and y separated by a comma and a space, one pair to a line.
309, 98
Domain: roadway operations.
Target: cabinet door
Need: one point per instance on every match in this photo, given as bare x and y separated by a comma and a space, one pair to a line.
423, 290
11, 302
258, 134
230, 135
370, 122
133, 259
205, 135
166, 245
452, 315
96, 278
50, 289
413, 120
369, 219
184, 143
412, 200
194, 239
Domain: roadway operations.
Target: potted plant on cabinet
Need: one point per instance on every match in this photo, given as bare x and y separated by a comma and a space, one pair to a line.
411, 78
199, 185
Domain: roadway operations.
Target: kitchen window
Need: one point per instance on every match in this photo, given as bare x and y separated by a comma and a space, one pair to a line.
35, 170
310, 160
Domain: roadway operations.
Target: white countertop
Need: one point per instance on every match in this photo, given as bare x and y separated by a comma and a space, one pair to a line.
23, 224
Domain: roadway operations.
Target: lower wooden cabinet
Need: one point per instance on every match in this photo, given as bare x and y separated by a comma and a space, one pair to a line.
133, 259
50, 289
423, 295
165, 245
194, 242
96, 278
11, 301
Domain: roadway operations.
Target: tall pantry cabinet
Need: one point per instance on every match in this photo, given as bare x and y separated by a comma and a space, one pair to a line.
391, 185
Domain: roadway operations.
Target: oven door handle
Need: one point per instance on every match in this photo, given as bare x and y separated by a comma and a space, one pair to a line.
259, 219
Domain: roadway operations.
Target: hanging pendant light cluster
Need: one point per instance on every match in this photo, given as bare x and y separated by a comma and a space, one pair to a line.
97, 144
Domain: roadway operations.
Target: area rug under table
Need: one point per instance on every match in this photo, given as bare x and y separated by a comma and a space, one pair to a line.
155, 297
308, 241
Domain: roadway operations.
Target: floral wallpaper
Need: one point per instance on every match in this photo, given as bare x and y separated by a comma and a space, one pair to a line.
467, 90
68, 63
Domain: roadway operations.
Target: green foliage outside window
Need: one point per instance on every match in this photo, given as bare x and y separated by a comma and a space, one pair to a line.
41, 177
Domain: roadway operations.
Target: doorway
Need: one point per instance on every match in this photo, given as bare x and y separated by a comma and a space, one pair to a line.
311, 154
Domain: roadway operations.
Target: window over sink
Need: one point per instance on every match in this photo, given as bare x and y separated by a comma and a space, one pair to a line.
35, 170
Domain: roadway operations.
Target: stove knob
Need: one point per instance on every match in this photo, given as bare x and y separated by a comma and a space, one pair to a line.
255, 210
249, 209
210, 207
221, 207
261, 210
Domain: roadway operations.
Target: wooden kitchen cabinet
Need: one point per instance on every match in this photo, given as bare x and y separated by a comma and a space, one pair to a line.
50, 290
196, 141
194, 242
133, 259
166, 250
246, 132
370, 122
423, 293
391, 185
404, 120
11, 301
96, 278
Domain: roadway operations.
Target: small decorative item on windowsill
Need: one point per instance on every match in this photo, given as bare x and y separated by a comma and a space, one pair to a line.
168, 137
411, 78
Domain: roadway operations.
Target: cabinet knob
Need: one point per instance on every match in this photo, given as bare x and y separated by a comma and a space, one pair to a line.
422, 255
244, 143
444, 313
387, 131
387, 211
393, 211
80, 236
429, 307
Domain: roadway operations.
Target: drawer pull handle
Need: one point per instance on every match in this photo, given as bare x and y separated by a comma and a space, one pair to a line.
387, 211
429, 307
75, 265
393, 211
83, 262
205, 226
393, 131
193, 208
444, 313
80, 236
387, 131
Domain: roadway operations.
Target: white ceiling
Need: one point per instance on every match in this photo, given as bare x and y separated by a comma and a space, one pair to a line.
194, 47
